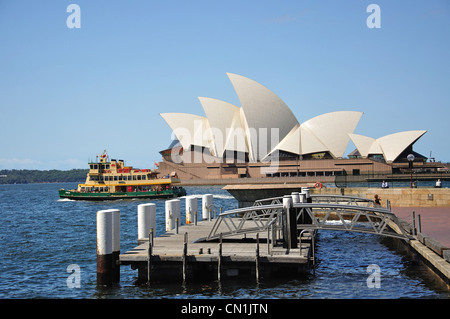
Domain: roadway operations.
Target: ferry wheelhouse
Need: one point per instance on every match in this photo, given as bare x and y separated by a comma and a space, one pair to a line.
111, 179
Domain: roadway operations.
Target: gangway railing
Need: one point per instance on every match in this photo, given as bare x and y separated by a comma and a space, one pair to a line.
372, 220
319, 198
321, 216
245, 220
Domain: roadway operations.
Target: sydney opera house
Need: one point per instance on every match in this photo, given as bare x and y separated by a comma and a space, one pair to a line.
262, 138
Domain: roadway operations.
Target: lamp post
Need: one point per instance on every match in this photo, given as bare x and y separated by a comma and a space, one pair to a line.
410, 158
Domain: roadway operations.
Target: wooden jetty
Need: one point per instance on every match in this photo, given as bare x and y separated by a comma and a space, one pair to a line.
275, 236
184, 254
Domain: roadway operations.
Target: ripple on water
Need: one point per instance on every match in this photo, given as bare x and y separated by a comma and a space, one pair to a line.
41, 235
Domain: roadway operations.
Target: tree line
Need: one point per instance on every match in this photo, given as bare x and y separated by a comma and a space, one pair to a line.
25, 176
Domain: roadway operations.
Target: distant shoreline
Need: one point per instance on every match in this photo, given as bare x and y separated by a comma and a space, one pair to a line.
27, 176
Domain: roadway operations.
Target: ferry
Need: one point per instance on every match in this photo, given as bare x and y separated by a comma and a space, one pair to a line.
111, 179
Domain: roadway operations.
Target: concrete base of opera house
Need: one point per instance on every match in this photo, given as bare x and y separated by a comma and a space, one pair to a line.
246, 194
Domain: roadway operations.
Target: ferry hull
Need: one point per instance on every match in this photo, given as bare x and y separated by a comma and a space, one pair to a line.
75, 195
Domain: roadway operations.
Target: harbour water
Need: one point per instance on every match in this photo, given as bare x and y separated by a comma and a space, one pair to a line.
41, 236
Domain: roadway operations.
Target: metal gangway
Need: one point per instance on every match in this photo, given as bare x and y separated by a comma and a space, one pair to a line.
284, 215
329, 199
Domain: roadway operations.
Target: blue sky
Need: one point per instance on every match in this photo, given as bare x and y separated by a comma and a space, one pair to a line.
68, 94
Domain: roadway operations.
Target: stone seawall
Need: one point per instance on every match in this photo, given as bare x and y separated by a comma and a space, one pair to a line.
246, 194
399, 197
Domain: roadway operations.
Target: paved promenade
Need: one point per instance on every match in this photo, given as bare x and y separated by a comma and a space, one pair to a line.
435, 221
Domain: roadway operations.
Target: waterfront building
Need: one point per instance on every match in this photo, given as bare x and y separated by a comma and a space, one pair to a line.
263, 138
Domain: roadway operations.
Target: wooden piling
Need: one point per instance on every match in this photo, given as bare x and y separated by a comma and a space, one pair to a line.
290, 231
233, 257
173, 207
185, 256
191, 207
104, 247
146, 219
419, 223
149, 257
207, 201
257, 257
115, 245
219, 258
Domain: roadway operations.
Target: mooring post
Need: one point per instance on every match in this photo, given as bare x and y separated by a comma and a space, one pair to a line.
173, 207
151, 235
207, 201
287, 203
257, 257
146, 219
185, 256
104, 247
149, 256
305, 190
291, 222
219, 258
169, 224
306, 219
115, 245
295, 197
419, 223
313, 248
413, 226
191, 207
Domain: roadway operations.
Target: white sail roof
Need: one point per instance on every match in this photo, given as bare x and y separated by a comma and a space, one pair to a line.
264, 124
264, 113
309, 142
390, 146
291, 143
365, 145
394, 144
332, 129
225, 124
189, 129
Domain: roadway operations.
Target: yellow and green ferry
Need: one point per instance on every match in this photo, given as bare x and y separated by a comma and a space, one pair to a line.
111, 179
